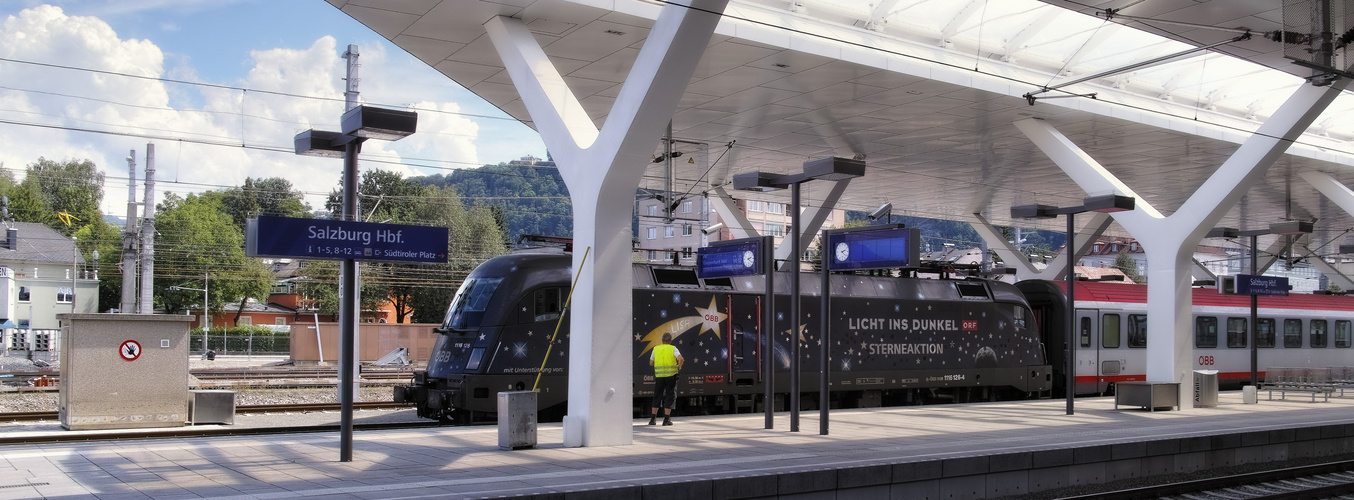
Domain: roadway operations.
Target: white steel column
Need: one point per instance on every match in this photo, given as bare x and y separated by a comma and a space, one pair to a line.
728, 211
602, 169
1025, 270
1170, 241
811, 220
1343, 197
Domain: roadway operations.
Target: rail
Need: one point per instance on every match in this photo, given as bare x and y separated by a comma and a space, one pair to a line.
1325, 480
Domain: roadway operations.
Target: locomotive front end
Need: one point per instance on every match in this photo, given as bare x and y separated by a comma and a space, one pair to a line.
479, 333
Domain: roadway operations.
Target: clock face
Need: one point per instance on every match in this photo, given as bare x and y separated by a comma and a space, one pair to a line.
749, 259
843, 251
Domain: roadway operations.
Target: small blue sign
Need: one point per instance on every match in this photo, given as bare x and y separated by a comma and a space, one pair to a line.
1250, 284
271, 236
742, 257
873, 248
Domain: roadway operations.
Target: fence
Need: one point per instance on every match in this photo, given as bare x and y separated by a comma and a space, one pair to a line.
241, 344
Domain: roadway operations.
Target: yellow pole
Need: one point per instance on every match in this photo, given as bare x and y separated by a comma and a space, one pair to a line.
567, 300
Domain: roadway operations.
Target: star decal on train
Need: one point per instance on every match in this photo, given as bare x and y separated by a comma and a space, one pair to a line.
709, 320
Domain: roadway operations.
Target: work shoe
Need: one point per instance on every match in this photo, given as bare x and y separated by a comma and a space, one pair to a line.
653, 420
667, 420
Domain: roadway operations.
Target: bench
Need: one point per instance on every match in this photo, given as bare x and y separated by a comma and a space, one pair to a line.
1314, 381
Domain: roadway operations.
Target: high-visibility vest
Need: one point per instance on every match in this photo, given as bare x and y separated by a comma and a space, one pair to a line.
664, 360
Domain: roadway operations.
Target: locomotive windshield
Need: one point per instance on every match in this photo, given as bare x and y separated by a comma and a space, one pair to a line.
467, 307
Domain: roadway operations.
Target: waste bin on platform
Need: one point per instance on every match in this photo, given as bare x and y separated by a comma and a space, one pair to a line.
516, 420
1205, 388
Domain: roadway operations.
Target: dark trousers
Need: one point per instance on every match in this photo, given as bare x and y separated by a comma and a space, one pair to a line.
664, 392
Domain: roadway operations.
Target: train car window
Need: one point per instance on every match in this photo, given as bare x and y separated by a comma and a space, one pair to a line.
679, 277
467, 307
718, 282
1236, 332
1342, 331
549, 303
1019, 315
1264, 332
1292, 333
1109, 331
475, 356
1137, 330
1317, 333
1085, 336
1206, 331
971, 290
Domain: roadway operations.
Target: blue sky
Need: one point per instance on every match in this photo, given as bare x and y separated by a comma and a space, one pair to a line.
287, 46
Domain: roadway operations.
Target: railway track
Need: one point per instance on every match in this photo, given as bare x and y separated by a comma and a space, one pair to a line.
34, 416
1327, 480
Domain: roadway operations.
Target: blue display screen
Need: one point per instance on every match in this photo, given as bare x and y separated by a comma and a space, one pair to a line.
741, 259
874, 249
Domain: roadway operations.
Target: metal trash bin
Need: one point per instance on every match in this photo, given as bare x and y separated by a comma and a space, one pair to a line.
1205, 388
211, 406
517, 420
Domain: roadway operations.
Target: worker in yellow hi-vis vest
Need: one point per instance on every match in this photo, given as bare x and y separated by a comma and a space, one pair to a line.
666, 361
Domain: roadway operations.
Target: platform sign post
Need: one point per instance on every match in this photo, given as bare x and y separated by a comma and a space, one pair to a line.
749, 257
886, 246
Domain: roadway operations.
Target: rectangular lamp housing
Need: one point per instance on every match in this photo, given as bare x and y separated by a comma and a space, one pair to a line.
379, 123
1291, 227
318, 143
1034, 212
1108, 203
757, 181
833, 169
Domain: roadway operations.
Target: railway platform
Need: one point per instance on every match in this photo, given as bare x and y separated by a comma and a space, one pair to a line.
983, 450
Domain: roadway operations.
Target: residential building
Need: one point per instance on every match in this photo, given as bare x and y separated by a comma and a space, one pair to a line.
43, 275
673, 238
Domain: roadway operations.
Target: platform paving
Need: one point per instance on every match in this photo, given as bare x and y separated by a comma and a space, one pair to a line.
955, 451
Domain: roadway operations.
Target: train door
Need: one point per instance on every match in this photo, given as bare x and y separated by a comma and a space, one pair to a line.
743, 321
1110, 353
1088, 360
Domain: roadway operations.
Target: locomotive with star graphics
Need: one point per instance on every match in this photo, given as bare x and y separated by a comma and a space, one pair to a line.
894, 340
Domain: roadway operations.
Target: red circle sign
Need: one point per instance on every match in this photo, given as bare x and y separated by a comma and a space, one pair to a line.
130, 350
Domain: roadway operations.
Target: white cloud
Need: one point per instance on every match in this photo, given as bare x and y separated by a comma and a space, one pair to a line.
152, 108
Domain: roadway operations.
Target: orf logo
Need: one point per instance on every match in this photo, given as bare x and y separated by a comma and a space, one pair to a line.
970, 325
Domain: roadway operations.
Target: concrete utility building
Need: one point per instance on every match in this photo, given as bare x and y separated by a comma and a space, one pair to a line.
961, 110
39, 270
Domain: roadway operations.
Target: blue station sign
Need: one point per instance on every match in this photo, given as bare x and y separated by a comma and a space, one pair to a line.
741, 257
1250, 284
288, 237
873, 248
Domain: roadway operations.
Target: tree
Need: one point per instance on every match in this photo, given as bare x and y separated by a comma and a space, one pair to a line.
1125, 263
107, 240
69, 192
198, 238
265, 196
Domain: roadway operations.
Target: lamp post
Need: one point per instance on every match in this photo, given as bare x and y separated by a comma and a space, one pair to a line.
826, 169
358, 124
1282, 228
1105, 204
206, 316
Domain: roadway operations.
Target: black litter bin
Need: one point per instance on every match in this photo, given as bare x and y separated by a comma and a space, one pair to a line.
211, 355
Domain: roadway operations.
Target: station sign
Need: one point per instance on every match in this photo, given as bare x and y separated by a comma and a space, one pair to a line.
724, 259
873, 247
289, 237
1250, 284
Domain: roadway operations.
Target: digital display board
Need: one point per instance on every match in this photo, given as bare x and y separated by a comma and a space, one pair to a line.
871, 248
742, 257
1250, 284
271, 236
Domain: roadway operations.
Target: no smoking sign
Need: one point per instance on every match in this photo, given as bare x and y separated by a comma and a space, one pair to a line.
130, 350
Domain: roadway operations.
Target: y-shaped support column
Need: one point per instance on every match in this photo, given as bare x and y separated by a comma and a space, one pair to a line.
728, 211
603, 169
1170, 241
1025, 270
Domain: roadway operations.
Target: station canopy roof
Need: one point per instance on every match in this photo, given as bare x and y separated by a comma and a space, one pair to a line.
926, 91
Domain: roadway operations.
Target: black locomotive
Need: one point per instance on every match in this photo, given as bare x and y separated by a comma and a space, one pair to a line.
894, 341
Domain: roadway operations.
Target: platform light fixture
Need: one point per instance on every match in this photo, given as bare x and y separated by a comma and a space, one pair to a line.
358, 124
1287, 228
826, 169
1108, 203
